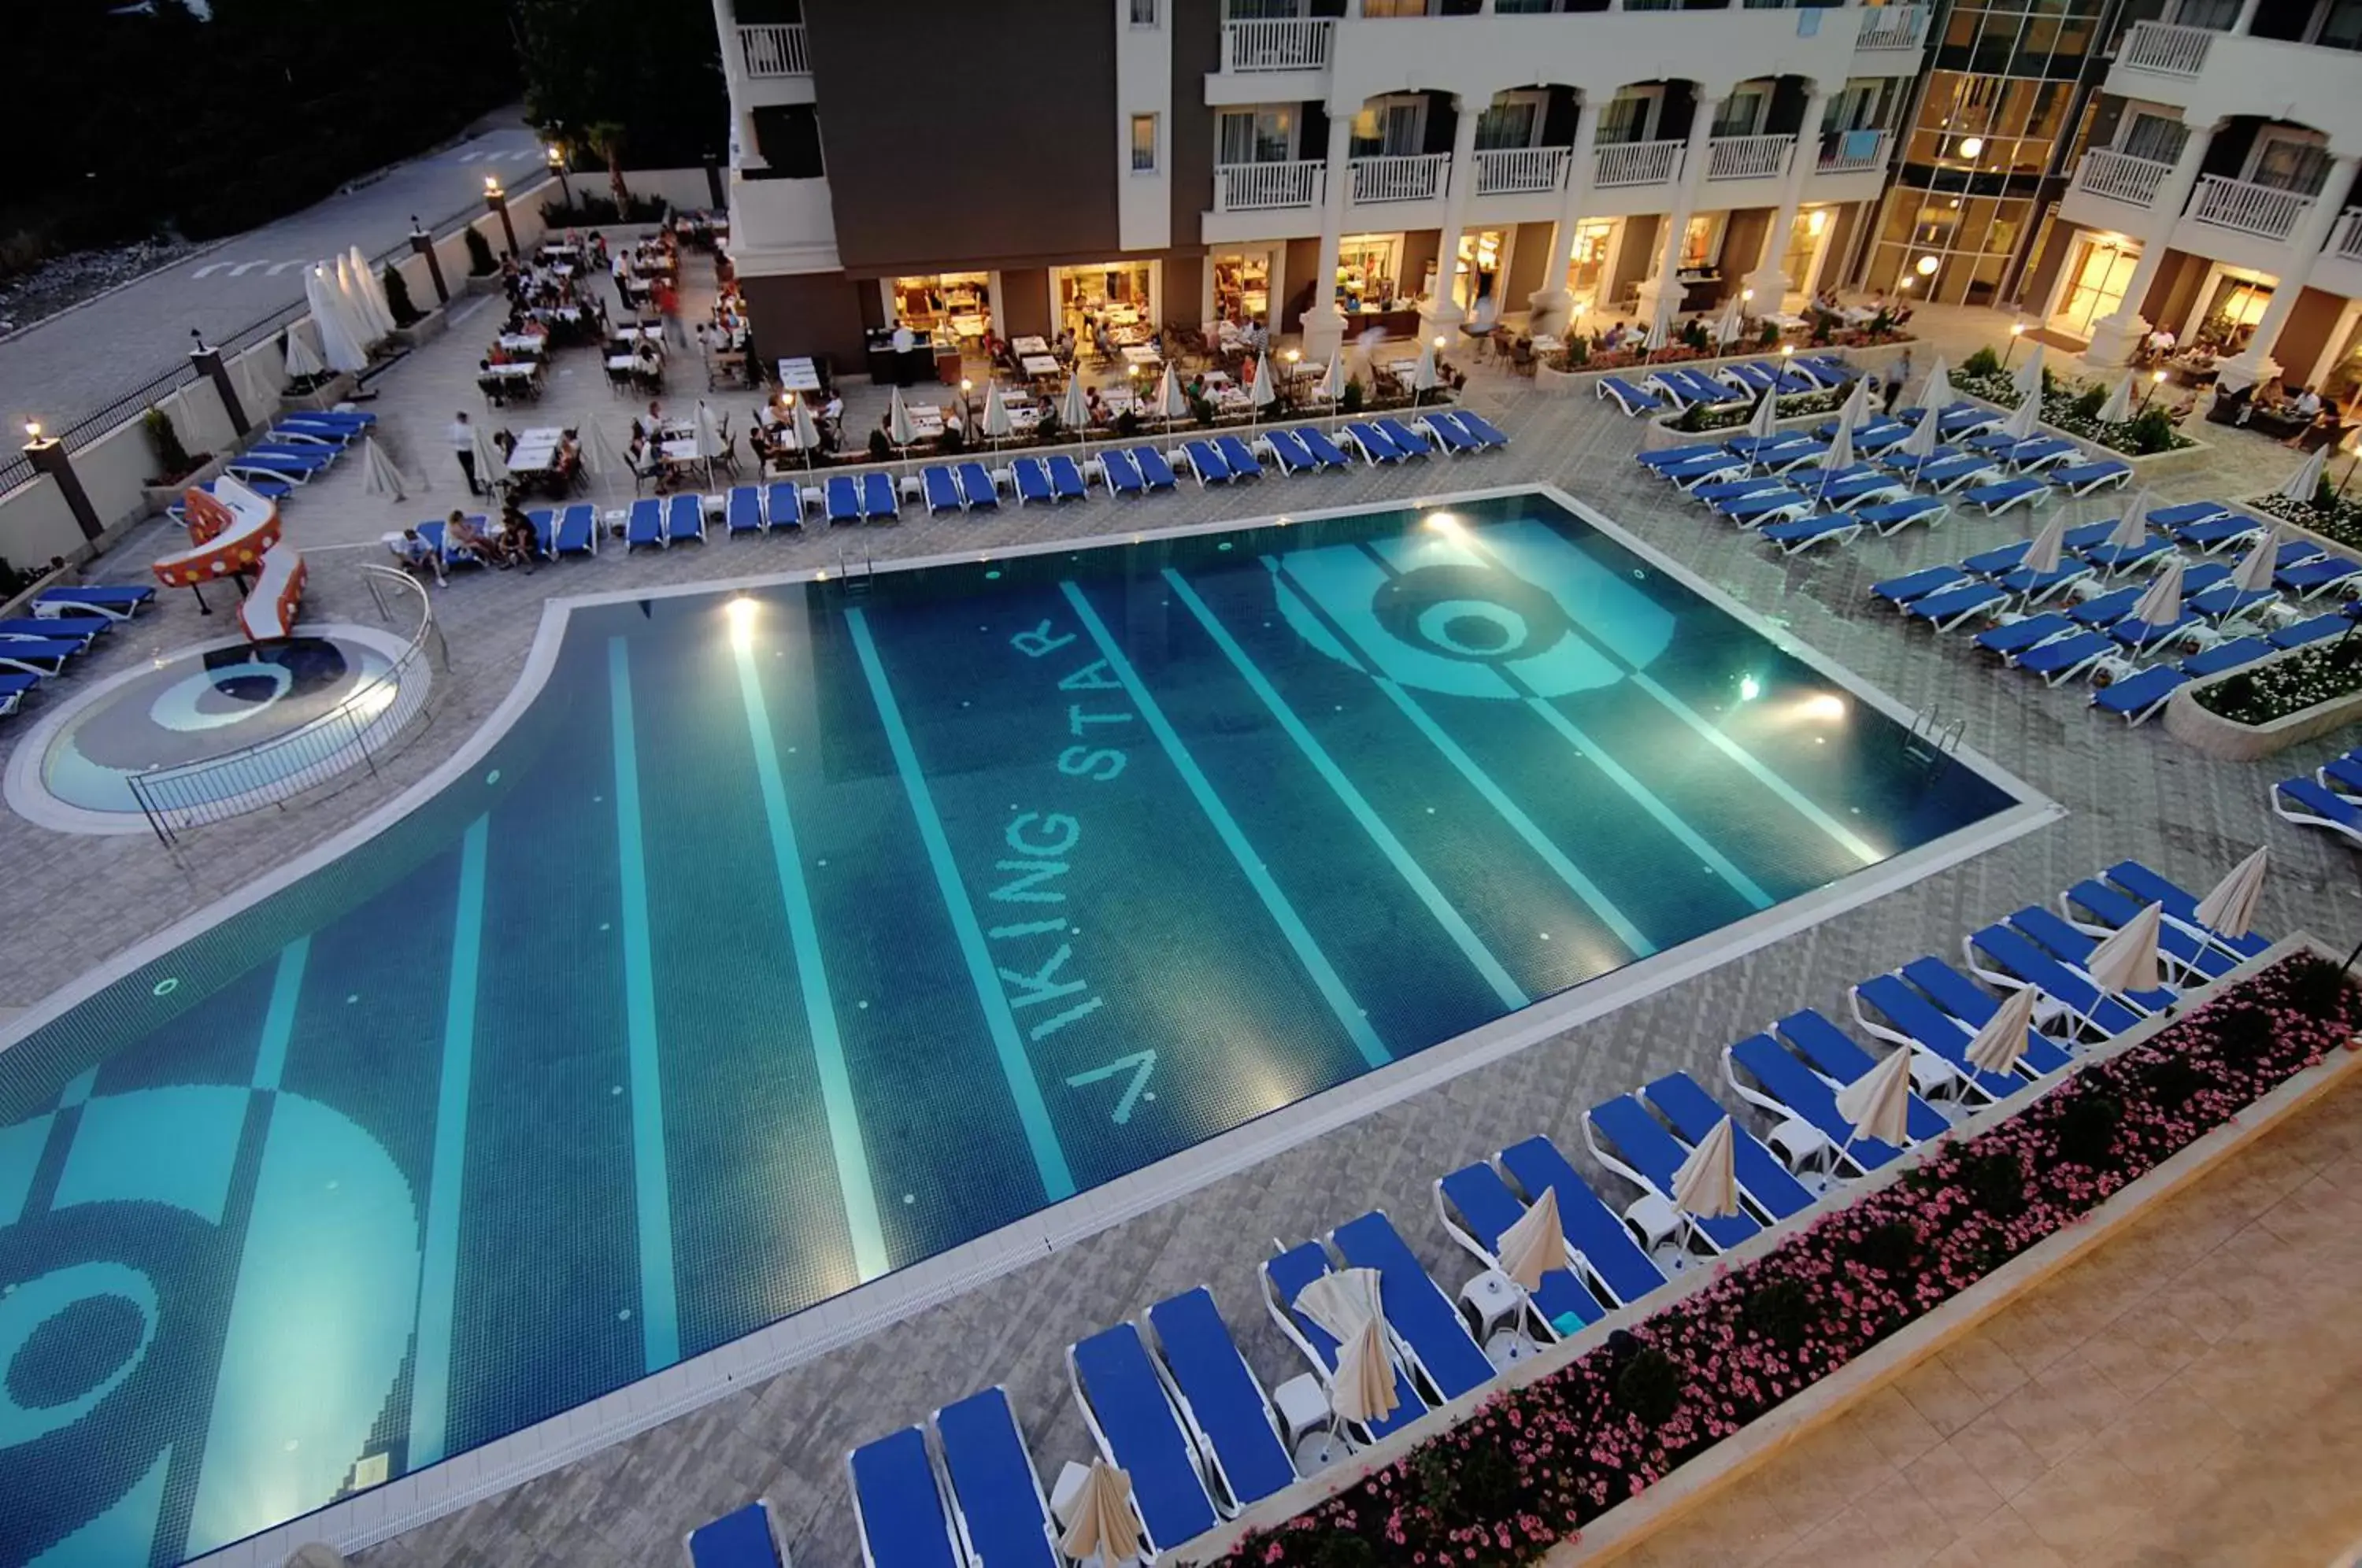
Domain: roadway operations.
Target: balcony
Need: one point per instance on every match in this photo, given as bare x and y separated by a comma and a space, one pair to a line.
1282, 45
1854, 152
1267, 187
1636, 164
774, 50
2166, 49
1749, 157
2263, 211
1521, 170
1418, 178
2348, 243
2121, 177
1892, 27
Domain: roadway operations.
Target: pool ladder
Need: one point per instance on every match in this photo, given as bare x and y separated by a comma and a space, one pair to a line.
1930, 739
854, 575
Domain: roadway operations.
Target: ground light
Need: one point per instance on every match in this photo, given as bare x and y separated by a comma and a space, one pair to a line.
1750, 688
741, 612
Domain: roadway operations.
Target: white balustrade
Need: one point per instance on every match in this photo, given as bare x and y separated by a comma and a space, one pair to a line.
1502, 171
1748, 157
1283, 44
2262, 210
1416, 178
1892, 27
1851, 152
1637, 163
2166, 49
1263, 187
2121, 177
775, 50
2348, 242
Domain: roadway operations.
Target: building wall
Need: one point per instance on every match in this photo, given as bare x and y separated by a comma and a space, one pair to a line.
2306, 336
1303, 267
807, 313
1743, 234
2175, 287
1184, 285
1419, 247
1529, 264
1633, 259
1024, 299
996, 159
1197, 49
2042, 277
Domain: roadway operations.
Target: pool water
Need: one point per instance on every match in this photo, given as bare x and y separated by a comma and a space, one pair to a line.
794, 935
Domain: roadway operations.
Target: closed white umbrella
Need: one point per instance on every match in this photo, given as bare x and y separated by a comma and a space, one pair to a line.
1659, 333
1937, 392
1921, 444
1706, 1185
2305, 483
600, 458
1727, 330
1106, 1526
1878, 1103
260, 399
2119, 406
380, 476
1075, 413
898, 426
1170, 404
2229, 910
1857, 404
710, 442
2042, 556
1536, 1244
2002, 1041
348, 299
1422, 378
2254, 574
2023, 418
998, 426
2126, 960
2161, 605
491, 469
2132, 526
800, 427
371, 291
1348, 1305
302, 363
1261, 392
1766, 417
338, 348
1841, 457
2028, 377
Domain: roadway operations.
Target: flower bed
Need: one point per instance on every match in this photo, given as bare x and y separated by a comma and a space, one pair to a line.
1536, 1463
2074, 408
2328, 515
1723, 416
2306, 679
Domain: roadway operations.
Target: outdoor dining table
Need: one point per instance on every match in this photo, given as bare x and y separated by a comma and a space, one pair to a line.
1037, 364
1548, 342
799, 375
1029, 345
536, 451
533, 343
635, 334
512, 373
1135, 354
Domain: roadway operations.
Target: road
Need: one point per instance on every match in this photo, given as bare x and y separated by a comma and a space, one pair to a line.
77, 362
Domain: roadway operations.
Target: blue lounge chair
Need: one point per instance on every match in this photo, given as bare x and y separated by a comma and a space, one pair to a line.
642, 525
2005, 957
1766, 1183
1228, 1414
357, 419
1631, 400
1067, 478
1749, 377
1476, 1209
1288, 450
2060, 660
1033, 481
1640, 1149
2309, 631
742, 510
1238, 457
2311, 578
1952, 607
543, 523
577, 531
2089, 479
1945, 475
1766, 506
1786, 1088
2307, 803
1619, 1272
942, 491
2107, 910
2034, 587
1122, 474
14, 688
1696, 471
2059, 937
1003, 1518
976, 487
740, 1539
308, 455
1423, 1320
1285, 1275
2104, 610
1997, 443
2228, 656
783, 505
1407, 441
1798, 534
1372, 442
2213, 532
898, 1507
1664, 457
1833, 1054
684, 518
1972, 1005
878, 498
1717, 491
841, 499
2012, 639
2139, 637
2184, 514
1894, 1009
2224, 602
83, 629
1121, 1401
1317, 442
39, 655
1780, 460
1891, 517
1205, 464
2039, 452
1445, 431
1154, 471
1862, 489
2113, 559
1996, 499
2179, 904
1902, 591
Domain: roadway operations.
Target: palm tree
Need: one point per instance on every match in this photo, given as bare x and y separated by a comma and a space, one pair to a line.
605, 140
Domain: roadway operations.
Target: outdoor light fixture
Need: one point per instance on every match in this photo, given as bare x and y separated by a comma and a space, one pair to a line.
1817, 220
1439, 340
1787, 349
32, 430
2016, 331
1927, 265
1292, 356
491, 185
1972, 146
1750, 688
1746, 294
552, 153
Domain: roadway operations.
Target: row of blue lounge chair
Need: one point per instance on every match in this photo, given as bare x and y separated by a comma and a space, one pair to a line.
297, 448
1682, 386
63, 625
2330, 798
1170, 1399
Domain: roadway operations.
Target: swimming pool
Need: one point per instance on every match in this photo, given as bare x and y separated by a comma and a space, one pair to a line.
790, 934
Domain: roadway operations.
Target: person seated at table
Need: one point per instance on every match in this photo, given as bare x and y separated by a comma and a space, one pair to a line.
1101, 341
831, 413
647, 359
2271, 393
1614, 339
492, 384
460, 533
514, 547
1093, 408
1258, 335
2307, 404
416, 555
1062, 349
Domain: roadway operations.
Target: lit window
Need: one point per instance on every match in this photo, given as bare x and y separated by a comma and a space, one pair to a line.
1143, 12
1143, 144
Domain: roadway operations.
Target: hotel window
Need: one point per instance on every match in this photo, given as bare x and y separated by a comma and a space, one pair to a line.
1394, 7
1631, 116
1512, 119
1390, 127
1262, 134
2285, 164
1143, 144
2155, 137
1741, 114
1143, 12
1699, 241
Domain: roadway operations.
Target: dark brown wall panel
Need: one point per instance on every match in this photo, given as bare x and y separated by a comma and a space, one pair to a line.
2306, 334
806, 313
1025, 302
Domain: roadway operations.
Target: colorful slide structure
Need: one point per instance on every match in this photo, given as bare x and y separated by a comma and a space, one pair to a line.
234, 532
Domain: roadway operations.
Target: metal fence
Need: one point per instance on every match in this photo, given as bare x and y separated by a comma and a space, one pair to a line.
370, 718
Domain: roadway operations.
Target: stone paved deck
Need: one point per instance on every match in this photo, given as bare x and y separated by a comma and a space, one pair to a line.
2128, 792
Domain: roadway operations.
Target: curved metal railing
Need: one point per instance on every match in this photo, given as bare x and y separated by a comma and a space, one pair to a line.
370, 719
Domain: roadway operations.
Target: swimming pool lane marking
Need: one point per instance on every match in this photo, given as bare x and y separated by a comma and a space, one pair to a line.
279, 1019
659, 1304
438, 1262
1455, 925
1016, 1068
1283, 913
869, 1259
1846, 838
1648, 800
1593, 897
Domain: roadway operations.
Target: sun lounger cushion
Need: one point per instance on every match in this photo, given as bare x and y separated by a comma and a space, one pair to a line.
896, 1503
1416, 1309
877, 499
843, 498
742, 1539
1222, 1396
1694, 1114
975, 485
1290, 1273
992, 1477
942, 492
1031, 479
1489, 1208
1593, 1231
1128, 1404
1067, 478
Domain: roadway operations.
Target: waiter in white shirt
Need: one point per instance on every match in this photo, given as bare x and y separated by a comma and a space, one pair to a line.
462, 437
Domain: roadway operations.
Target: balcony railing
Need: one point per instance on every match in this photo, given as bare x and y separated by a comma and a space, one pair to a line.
2121, 177
1284, 44
1748, 157
2262, 210
1266, 187
775, 50
1418, 178
2166, 48
2348, 243
1892, 27
1852, 153
1515, 170
1637, 163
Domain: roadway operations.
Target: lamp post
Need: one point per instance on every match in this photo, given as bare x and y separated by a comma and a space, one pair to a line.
2156, 379
424, 243
208, 362
497, 199
2016, 331
48, 456
555, 155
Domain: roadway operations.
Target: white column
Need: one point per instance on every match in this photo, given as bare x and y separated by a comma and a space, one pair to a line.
2255, 363
2247, 18
1000, 321
1324, 328
746, 152
2325, 360
1442, 312
1553, 303
1663, 285
2116, 337
1811, 280
1768, 280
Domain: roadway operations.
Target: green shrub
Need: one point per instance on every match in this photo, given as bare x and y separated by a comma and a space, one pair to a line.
1892, 1249
1649, 1386
2088, 403
1355, 394
1769, 337
1578, 350
1780, 1311
2318, 987
172, 457
2151, 430
1984, 362
2087, 1128
479, 254
1339, 1550
1997, 1181
397, 296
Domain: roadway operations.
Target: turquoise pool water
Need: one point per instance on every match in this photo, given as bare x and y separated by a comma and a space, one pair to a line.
794, 935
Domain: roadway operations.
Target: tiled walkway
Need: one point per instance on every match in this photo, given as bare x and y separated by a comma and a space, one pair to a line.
2189, 1396
2136, 792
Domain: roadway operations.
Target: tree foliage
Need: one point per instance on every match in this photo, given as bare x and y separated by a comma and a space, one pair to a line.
621, 80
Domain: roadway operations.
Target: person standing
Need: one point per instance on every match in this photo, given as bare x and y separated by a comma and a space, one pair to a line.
1897, 376
462, 437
